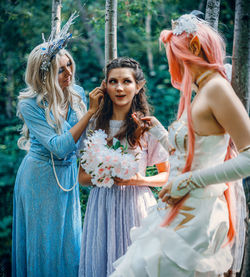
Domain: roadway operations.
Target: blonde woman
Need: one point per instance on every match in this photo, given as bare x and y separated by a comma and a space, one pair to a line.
47, 219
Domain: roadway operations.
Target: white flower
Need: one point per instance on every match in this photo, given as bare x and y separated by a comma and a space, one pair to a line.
103, 181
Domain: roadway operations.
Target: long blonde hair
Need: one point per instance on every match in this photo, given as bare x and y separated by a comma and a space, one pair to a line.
48, 92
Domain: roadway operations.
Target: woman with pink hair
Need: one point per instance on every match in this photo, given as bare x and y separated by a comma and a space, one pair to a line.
192, 229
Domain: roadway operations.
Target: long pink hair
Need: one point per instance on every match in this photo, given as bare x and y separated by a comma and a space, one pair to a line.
180, 59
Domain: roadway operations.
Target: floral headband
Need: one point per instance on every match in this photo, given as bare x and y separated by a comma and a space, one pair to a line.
188, 23
55, 43
185, 23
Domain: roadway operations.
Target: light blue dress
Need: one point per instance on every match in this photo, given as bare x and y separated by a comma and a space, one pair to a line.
46, 220
112, 212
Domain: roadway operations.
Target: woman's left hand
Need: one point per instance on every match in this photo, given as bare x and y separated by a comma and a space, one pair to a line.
152, 121
176, 189
165, 195
136, 180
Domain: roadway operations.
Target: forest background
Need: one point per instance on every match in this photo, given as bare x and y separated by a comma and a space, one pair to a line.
139, 26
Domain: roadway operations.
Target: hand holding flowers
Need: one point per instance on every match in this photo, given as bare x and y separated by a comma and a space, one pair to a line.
104, 162
137, 179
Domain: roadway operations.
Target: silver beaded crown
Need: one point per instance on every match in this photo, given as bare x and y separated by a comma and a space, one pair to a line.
55, 43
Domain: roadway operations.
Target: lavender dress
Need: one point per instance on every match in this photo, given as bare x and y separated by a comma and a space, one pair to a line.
111, 213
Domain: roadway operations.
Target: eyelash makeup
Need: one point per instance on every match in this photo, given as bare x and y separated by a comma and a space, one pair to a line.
113, 81
62, 69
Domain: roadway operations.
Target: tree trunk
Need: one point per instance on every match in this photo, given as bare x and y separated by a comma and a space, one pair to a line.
91, 34
241, 85
110, 30
56, 16
241, 52
148, 45
212, 13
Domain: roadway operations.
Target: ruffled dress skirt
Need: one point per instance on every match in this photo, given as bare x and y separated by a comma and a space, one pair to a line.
193, 245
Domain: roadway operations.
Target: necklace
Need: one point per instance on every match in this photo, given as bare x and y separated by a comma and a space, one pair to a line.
58, 183
201, 77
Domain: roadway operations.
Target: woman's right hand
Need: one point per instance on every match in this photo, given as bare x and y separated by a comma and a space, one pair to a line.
95, 97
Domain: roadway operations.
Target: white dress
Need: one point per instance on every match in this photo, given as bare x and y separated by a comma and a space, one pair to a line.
195, 242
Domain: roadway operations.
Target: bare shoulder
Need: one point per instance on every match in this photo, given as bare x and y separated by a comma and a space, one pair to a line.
218, 87
227, 109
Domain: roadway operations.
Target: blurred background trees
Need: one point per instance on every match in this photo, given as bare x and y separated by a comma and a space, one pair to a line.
139, 23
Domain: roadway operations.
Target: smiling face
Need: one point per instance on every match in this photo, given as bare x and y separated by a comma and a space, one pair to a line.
121, 87
65, 72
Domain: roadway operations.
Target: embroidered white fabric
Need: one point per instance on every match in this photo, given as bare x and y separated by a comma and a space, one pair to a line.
177, 132
232, 170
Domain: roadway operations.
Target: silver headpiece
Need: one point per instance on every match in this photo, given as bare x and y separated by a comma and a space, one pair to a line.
55, 43
185, 23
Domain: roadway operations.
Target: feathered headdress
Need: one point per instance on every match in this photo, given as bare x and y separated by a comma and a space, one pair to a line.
55, 43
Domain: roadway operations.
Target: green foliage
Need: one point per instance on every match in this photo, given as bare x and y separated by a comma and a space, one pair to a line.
84, 193
151, 171
10, 158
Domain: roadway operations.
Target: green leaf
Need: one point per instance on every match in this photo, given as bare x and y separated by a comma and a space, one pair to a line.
117, 145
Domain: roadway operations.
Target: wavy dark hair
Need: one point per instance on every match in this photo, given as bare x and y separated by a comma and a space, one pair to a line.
130, 130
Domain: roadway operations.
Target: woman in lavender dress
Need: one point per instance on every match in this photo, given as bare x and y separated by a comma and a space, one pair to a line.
112, 212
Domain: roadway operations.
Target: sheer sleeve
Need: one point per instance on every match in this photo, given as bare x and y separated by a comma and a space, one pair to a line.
156, 153
161, 134
34, 117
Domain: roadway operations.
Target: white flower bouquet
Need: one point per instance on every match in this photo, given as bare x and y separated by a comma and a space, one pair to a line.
104, 162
